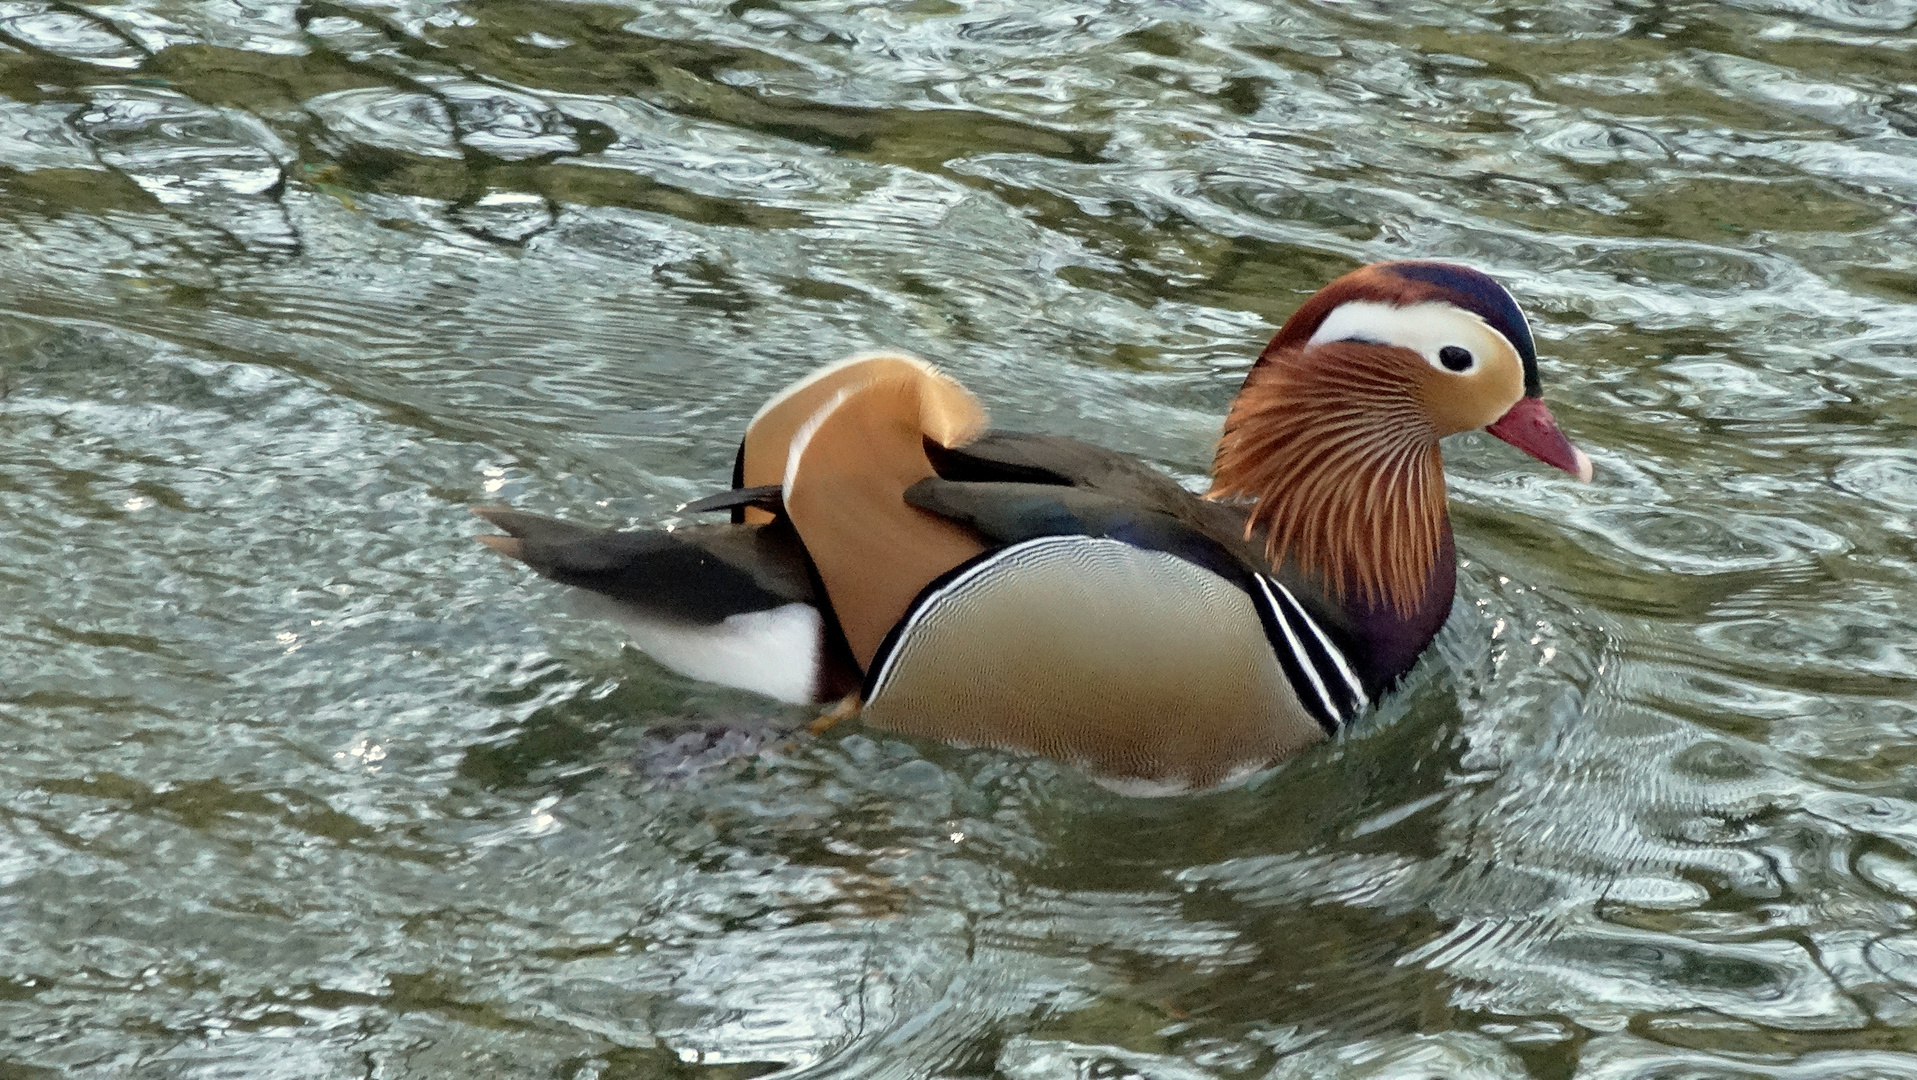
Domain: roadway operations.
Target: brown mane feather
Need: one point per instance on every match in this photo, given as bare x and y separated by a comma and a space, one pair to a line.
1343, 466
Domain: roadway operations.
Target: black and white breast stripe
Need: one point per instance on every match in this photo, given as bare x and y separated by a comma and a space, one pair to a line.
1326, 684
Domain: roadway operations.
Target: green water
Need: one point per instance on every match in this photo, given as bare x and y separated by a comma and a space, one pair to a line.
298, 781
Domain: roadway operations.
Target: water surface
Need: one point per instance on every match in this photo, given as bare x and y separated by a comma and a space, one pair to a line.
298, 781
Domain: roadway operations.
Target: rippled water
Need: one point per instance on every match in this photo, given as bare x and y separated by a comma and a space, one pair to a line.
299, 781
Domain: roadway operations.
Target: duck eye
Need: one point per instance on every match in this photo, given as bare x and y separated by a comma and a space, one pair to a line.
1455, 358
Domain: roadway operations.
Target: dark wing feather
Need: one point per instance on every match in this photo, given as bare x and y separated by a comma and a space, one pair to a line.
1011, 512
1055, 459
1016, 457
700, 574
768, 497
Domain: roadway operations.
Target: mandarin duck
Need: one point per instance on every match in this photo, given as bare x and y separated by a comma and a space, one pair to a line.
1036, 593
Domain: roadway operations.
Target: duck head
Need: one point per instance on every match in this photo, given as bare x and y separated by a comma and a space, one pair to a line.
1334, 436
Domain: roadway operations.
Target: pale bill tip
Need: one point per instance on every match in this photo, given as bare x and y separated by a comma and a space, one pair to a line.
1585, 471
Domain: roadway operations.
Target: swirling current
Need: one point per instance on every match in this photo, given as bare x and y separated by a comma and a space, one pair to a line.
298, 781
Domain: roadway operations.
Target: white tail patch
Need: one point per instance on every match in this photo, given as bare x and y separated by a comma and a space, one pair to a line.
774, 652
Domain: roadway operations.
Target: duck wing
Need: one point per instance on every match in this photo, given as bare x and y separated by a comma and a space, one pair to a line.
1012, 512
1058, 460
1054, 459
703, 573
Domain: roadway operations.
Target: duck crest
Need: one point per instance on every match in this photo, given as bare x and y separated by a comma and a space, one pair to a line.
1342, 465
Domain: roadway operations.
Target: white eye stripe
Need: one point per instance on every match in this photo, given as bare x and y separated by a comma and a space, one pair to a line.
1423, 328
